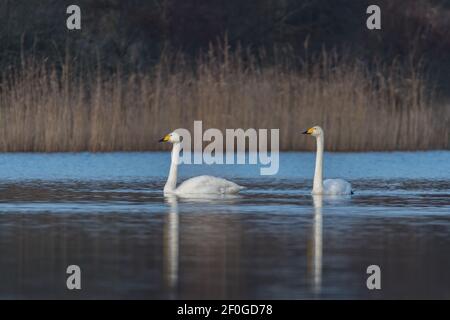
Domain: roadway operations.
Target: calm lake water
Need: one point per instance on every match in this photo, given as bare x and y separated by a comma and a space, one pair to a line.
107, 214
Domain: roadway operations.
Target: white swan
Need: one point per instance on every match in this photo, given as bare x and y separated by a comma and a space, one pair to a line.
197, 185
329, 186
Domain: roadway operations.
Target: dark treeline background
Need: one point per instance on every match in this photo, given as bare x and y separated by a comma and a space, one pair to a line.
137, 32
395, 70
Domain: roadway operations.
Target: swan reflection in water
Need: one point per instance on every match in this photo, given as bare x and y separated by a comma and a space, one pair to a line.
315, 261
315, 249
171, 243
172, 230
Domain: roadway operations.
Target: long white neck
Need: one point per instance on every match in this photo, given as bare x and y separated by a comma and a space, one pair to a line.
171, 183
318, 176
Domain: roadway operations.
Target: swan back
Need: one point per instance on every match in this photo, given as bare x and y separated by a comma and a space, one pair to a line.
208, 185
336, 187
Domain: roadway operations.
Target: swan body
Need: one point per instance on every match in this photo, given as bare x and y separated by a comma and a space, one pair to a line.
197, 185
329, 186
337, 187
208, 185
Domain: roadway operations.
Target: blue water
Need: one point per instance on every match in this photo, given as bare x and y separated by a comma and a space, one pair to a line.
150, 165
106, 213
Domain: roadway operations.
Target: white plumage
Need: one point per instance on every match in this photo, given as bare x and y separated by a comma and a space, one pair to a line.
208, 185
201, 185
329, 186
336, 187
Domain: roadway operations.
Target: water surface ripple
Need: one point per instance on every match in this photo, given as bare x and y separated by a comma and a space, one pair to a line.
107, 214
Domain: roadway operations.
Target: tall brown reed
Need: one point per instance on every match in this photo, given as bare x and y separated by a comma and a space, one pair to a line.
386, 107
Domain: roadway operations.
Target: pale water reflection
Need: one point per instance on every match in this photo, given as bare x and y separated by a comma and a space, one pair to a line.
107, 214
316, 240
171, 245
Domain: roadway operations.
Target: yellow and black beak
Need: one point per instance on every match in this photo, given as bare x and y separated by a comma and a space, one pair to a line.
165, 138
309, 131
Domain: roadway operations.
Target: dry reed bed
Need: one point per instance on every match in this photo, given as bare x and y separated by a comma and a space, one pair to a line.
52, 109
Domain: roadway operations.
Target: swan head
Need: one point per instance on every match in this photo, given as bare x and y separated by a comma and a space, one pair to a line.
314, 131
171, 137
